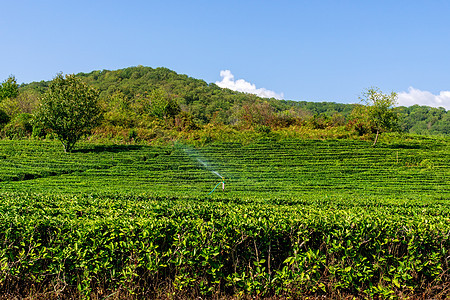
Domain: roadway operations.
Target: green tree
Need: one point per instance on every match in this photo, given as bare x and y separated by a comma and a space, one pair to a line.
19, 127
70, 108
4, 118
380, 110
9, 88
162, 105
25, 102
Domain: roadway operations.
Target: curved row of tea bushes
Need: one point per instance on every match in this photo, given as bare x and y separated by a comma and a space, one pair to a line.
265, 168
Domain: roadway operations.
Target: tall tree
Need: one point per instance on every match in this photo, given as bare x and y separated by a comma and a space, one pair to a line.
9, 88
70, 109
380, 110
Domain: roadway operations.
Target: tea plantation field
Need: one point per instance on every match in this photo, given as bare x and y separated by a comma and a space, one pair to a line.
297, 218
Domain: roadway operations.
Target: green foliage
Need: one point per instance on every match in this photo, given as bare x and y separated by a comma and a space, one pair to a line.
425, 120
321, 121
70, 109
206, 103
4, 118
25, 102
126, 96
263, 129
297, 218
396, 169
380, 111
99, 244
359, 121
19, 127
162, 105
185, 122
118, 111
9, 88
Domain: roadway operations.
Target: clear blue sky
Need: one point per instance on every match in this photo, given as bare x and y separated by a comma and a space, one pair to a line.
305, 50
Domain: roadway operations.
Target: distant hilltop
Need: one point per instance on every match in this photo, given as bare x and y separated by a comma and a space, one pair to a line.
124, 93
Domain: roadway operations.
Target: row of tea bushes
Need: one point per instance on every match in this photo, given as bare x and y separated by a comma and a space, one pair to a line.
97, 245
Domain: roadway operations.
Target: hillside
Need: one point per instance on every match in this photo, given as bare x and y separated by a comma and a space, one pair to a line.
206, 102
126, 94
303, 206
281, 166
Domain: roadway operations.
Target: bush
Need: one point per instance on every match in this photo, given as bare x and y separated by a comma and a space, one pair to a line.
359, 121
185, 122
319, 121
4, 118
263, 129
132, 135
21, 126
25, 102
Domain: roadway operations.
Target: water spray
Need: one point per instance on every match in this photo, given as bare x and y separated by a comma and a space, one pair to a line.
223, 186
196, 155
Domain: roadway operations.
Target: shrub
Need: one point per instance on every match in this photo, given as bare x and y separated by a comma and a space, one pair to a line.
132, 135
4, 118
319, 121
19, 127
263, 129
185, 122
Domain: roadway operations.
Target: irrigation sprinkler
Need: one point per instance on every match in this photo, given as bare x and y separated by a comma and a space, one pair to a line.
223, 186
192, 153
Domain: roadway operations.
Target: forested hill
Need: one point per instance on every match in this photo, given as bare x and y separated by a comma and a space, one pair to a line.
207, 103
204, 101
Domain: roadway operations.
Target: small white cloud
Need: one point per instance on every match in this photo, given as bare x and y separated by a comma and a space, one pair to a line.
416, 96
241, 85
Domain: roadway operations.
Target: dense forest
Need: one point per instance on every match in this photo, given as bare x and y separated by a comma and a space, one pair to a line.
138, 101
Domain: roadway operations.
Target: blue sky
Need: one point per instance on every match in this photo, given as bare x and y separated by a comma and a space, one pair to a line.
296, 50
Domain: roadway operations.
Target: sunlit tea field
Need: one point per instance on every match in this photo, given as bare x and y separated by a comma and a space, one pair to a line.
297, 218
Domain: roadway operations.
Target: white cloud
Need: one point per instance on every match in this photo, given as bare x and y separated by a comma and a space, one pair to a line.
416, 96
241, 85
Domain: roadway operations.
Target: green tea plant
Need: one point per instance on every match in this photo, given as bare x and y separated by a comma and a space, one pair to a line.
297, 218
104, 243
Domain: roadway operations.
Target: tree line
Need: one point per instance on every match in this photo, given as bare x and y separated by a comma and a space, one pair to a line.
141, 100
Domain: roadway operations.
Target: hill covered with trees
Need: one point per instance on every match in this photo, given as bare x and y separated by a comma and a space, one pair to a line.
139, 102
205, 102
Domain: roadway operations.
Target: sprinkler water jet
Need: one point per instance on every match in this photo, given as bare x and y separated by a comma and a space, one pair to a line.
223, 186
